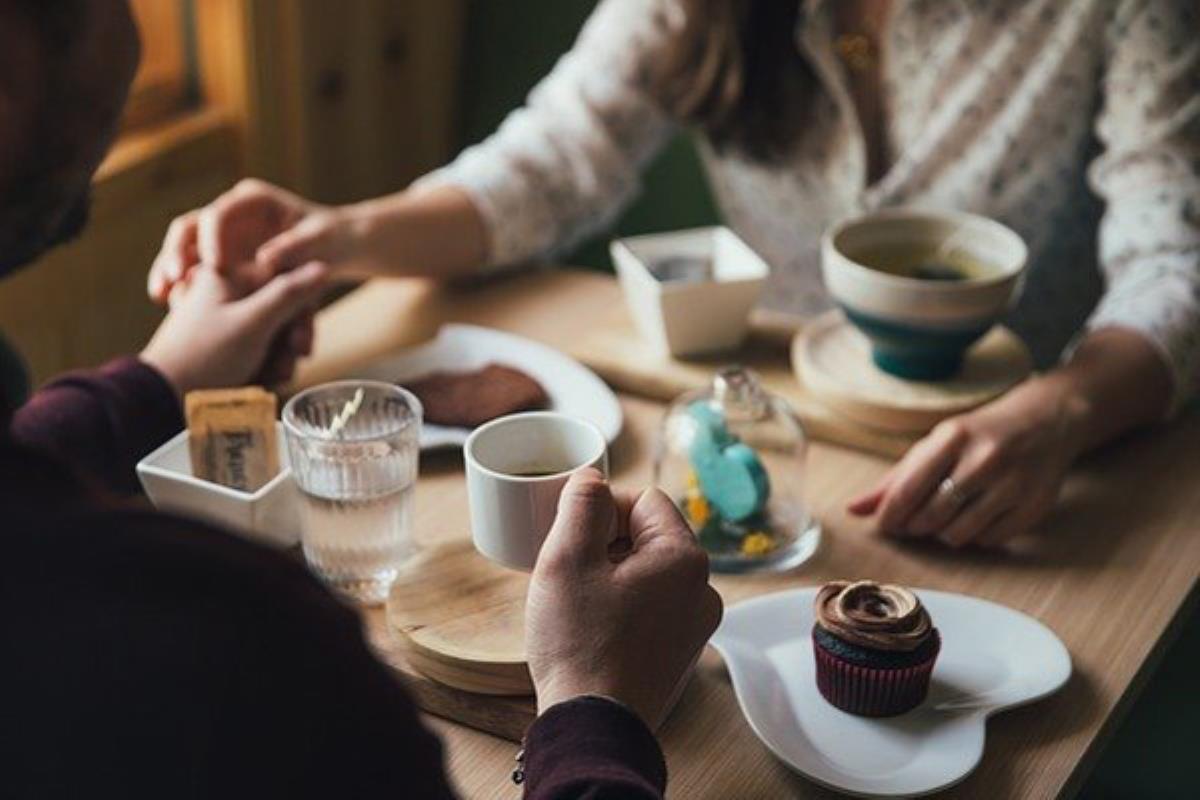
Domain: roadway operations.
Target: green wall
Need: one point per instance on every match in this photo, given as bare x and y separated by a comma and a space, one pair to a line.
510, 45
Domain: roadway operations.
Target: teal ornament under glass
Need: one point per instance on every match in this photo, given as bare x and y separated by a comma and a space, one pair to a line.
732, 457
730, 473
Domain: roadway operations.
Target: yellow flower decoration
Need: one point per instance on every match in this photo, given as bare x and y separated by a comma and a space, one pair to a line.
757, 544
698, 510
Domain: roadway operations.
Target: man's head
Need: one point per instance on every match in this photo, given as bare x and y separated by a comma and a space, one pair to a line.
65, 71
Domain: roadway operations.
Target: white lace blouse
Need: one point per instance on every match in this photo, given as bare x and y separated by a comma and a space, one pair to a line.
1075, 122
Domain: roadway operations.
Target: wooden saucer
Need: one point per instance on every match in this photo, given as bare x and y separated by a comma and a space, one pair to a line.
461, 620
833, 361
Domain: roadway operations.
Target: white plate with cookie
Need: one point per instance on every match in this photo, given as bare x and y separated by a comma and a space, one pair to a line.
571, 388
992, 658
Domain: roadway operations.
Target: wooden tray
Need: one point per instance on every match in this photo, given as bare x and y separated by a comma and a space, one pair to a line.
621, 357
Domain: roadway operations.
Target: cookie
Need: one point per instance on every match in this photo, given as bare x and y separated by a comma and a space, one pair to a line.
469, 399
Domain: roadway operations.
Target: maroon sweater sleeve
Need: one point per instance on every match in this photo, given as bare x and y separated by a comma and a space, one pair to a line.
163, 658
591, 748
101, 422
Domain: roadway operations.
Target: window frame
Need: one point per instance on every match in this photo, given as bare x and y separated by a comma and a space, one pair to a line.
163, 86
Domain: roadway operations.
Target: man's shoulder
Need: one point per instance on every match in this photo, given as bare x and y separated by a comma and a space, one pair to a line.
160, 647
146, 558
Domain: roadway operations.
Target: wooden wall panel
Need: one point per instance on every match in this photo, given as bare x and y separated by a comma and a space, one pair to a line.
435, 60
369, 96
86, 302
241, 47
338, 100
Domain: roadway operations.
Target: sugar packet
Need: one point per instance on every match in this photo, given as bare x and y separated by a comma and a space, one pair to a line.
231, 436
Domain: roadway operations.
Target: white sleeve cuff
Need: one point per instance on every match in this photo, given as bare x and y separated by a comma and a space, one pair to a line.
1159, 298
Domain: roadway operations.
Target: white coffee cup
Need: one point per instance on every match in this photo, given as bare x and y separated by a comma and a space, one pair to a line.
516, 469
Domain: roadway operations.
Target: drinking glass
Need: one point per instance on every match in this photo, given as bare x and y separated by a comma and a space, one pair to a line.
354, 447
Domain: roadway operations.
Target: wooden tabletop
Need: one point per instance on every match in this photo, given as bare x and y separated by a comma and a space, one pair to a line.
1111, 571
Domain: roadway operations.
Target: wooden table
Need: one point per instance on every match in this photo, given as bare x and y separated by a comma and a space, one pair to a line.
1112, 571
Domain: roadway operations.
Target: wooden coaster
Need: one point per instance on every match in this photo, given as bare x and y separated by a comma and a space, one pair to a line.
505, 716
460, 620
833, 361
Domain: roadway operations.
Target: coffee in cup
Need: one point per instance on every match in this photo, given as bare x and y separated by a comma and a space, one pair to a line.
516, 469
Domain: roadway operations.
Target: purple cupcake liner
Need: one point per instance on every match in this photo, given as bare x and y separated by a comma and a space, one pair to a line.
872, 691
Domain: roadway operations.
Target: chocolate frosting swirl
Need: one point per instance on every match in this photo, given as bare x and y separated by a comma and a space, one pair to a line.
869, 614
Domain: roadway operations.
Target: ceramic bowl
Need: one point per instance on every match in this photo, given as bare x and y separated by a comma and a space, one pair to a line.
269, 515
920, 329
693, 317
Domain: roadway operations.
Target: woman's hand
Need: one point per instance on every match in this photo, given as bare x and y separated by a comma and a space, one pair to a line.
256, 231
215, 337
985, 476
989, 475
619, 603
230, 234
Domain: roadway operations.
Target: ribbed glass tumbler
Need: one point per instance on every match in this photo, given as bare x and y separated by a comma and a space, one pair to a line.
354, 448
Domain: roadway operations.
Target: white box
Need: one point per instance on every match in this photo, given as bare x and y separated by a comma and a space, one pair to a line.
688, 318
270, 515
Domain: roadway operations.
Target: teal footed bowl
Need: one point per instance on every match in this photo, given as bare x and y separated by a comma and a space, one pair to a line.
919, 354
920, 327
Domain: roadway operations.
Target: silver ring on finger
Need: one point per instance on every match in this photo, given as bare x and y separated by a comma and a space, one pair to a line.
951, 491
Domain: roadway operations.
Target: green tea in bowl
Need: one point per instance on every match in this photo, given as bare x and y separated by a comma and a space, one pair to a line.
922, 286
918, 262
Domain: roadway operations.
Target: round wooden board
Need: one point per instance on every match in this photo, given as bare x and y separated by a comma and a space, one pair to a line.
461, 620
833, 361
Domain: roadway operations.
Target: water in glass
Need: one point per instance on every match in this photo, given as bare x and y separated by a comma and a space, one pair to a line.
356, 478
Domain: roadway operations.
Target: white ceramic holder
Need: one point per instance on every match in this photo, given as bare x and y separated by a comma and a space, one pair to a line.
269, 515
690, 318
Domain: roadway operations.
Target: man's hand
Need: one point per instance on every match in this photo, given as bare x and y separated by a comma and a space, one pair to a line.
214, 336
619, 604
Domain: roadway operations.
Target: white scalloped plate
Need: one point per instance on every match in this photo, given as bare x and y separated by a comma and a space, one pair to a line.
992, 658
573, 388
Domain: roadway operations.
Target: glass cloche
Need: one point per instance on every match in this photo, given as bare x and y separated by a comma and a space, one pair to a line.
733, 457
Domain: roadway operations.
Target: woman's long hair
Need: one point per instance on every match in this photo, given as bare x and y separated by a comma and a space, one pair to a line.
733, 71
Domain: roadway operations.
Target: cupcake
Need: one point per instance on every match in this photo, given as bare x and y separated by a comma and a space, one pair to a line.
875, 647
